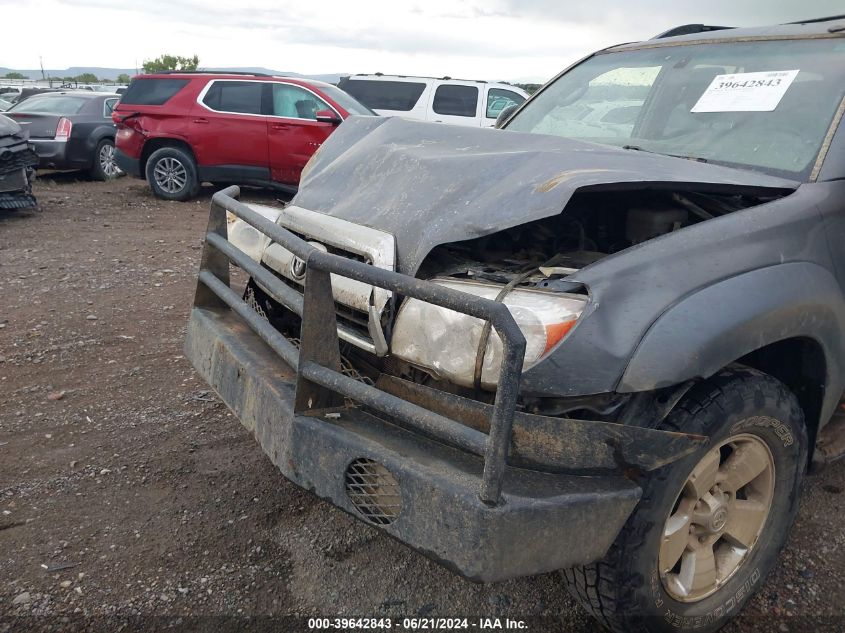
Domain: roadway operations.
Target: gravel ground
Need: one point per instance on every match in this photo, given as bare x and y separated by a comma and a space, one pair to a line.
130, 496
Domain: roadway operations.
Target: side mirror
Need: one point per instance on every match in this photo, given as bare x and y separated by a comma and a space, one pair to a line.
328, 116
504, 115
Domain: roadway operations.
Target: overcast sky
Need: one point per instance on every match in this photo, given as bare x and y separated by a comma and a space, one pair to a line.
475, 39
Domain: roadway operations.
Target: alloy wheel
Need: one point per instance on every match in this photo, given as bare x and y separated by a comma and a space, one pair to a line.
107, 162
717, 518
170, 175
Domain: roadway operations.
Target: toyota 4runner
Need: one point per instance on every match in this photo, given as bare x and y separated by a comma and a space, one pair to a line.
607, 338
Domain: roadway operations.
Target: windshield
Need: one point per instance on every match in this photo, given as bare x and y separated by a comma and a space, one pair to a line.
347, 101
765, 105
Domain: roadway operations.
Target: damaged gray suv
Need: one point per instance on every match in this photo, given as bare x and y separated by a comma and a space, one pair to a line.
605, 339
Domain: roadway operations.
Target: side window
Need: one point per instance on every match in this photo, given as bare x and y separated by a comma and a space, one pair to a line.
498, 99
243, 97
453, 100
296, 103
400, 96
108, 107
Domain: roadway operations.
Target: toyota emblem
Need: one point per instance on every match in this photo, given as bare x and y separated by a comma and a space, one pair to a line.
297, 268
297, 264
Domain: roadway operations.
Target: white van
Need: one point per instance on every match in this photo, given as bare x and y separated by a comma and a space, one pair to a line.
445, 100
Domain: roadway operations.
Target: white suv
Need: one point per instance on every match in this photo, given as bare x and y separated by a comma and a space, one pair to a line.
446, 100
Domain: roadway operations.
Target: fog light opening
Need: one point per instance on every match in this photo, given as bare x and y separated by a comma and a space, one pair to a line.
373, 491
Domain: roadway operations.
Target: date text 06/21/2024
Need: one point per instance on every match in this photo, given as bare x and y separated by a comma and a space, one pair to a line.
416, 624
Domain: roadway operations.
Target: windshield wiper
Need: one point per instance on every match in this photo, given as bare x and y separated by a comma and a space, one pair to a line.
637, 148
697, 159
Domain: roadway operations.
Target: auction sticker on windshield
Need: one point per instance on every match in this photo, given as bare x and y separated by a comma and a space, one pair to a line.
746, 92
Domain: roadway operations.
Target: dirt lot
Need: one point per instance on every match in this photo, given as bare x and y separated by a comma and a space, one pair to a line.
129, 494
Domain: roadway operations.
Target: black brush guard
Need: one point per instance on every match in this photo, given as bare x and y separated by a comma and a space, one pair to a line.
320, 384
542, 443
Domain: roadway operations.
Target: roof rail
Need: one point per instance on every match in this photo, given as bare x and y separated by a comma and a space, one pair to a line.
688, 29
210, 72
444, 78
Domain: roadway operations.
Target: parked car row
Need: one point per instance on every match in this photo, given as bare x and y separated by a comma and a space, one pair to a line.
180, 129
12, 95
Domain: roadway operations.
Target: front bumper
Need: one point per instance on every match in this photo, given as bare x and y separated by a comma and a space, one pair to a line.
544, 521
17, 166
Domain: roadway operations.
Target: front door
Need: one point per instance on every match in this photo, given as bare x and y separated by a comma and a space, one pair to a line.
292, 129
497, 100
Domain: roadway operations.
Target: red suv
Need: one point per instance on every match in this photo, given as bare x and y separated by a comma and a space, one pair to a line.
180, 129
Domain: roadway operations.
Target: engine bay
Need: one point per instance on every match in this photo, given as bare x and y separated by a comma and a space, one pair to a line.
595, 224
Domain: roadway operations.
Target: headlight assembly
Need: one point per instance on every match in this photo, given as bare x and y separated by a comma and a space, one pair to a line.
247, 238
445, 342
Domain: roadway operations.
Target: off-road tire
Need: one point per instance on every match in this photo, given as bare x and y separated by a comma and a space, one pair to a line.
624, 591
173, 158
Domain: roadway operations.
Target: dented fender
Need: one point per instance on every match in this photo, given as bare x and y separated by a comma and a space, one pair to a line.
751, 265
725, 321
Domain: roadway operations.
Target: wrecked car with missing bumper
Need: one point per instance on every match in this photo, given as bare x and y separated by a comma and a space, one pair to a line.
17, 166
605, 343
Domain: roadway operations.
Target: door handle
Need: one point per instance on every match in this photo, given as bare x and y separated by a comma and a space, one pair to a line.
201, 120
279, 126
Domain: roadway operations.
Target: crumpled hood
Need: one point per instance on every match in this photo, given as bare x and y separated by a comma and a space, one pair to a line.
430, 184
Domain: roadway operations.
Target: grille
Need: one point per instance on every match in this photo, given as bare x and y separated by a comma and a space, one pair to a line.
374, 491
353, 319
252, 301
346, 366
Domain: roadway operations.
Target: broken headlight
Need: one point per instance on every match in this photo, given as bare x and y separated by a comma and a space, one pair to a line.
445, 342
